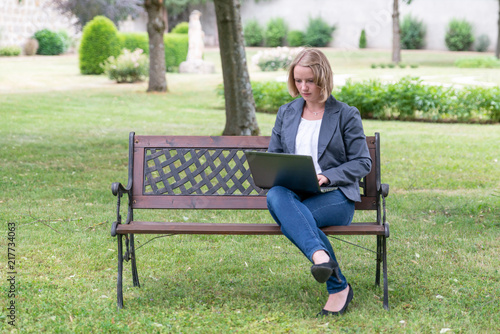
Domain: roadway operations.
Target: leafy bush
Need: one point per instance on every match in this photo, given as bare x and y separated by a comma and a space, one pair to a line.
478, 62
49, 43
276, 31
99, 42
459, 35
409, 99
412, 33
253, 33
12, 50
30, 47
66, 40
181, 28
318, 32
274, 59
362, 39
134, 40
127, 67
482, 43
176, 49
270, 95
295, 38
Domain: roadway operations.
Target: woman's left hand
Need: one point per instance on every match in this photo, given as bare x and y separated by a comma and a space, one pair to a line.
322, 179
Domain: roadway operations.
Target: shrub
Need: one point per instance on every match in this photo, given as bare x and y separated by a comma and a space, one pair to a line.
12, 50
274, 59
276, 31
181, 28
49, 43
176, 49
362, 40
412, 33
409, 99
482, 43
478, 62
30, 47
318, 32
134, 40
253, 33
295, 38
127, 67
66, 40
270, 95
99, 42
459, 35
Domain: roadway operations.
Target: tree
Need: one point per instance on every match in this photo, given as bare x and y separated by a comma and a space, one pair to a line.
156, 29
497, 52
85, 10
396, 31
240, 104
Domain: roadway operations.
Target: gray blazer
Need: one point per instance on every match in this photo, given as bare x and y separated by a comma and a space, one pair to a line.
342, 151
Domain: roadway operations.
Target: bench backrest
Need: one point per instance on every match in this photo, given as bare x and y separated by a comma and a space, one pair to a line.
211, 172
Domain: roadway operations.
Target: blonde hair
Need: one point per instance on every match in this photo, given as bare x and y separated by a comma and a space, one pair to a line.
322, 71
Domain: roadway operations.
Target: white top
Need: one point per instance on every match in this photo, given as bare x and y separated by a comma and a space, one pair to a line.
306, 142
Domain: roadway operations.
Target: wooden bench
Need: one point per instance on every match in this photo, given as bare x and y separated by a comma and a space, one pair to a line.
194, 172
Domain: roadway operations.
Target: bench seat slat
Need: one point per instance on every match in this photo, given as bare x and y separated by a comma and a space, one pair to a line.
140, 227
234, 202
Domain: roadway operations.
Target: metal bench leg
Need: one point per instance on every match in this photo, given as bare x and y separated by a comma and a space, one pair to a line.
379, 260
119, 288
135, 275
386, 287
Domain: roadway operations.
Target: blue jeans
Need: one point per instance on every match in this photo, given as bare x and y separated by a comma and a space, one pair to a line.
300, 216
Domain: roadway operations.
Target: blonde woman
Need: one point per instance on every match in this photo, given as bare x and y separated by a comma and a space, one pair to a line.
331, 132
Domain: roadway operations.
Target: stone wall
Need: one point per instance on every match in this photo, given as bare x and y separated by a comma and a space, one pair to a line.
375, 16
20, 20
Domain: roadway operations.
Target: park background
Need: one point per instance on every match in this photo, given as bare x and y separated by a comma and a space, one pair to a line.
64, 141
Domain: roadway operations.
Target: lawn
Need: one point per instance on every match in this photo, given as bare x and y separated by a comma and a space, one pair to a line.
64, 141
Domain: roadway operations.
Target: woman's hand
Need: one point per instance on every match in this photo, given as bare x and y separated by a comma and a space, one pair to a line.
322, 179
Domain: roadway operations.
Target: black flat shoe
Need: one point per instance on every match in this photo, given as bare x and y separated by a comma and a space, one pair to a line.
323, 271
343, 310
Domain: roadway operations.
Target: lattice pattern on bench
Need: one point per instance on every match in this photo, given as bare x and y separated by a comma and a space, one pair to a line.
185, 171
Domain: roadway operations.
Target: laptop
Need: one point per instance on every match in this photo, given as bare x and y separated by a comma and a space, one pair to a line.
292, 171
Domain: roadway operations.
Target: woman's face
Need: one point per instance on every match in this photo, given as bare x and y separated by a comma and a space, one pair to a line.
304, 81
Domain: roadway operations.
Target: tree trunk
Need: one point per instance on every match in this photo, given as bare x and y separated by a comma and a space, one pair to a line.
396, 33
497, 52
156, 29
240, 104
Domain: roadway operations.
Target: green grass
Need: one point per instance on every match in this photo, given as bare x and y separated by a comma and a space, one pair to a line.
64, 141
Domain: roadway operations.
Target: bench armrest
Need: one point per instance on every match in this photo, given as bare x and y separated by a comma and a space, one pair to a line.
384, 189
118, 190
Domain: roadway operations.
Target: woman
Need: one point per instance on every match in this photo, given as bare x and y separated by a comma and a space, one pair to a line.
332, 133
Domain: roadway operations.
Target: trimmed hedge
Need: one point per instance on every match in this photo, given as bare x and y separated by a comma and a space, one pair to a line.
176, 50
99, 42
176, 46
49, 43
181, 28
134, 40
